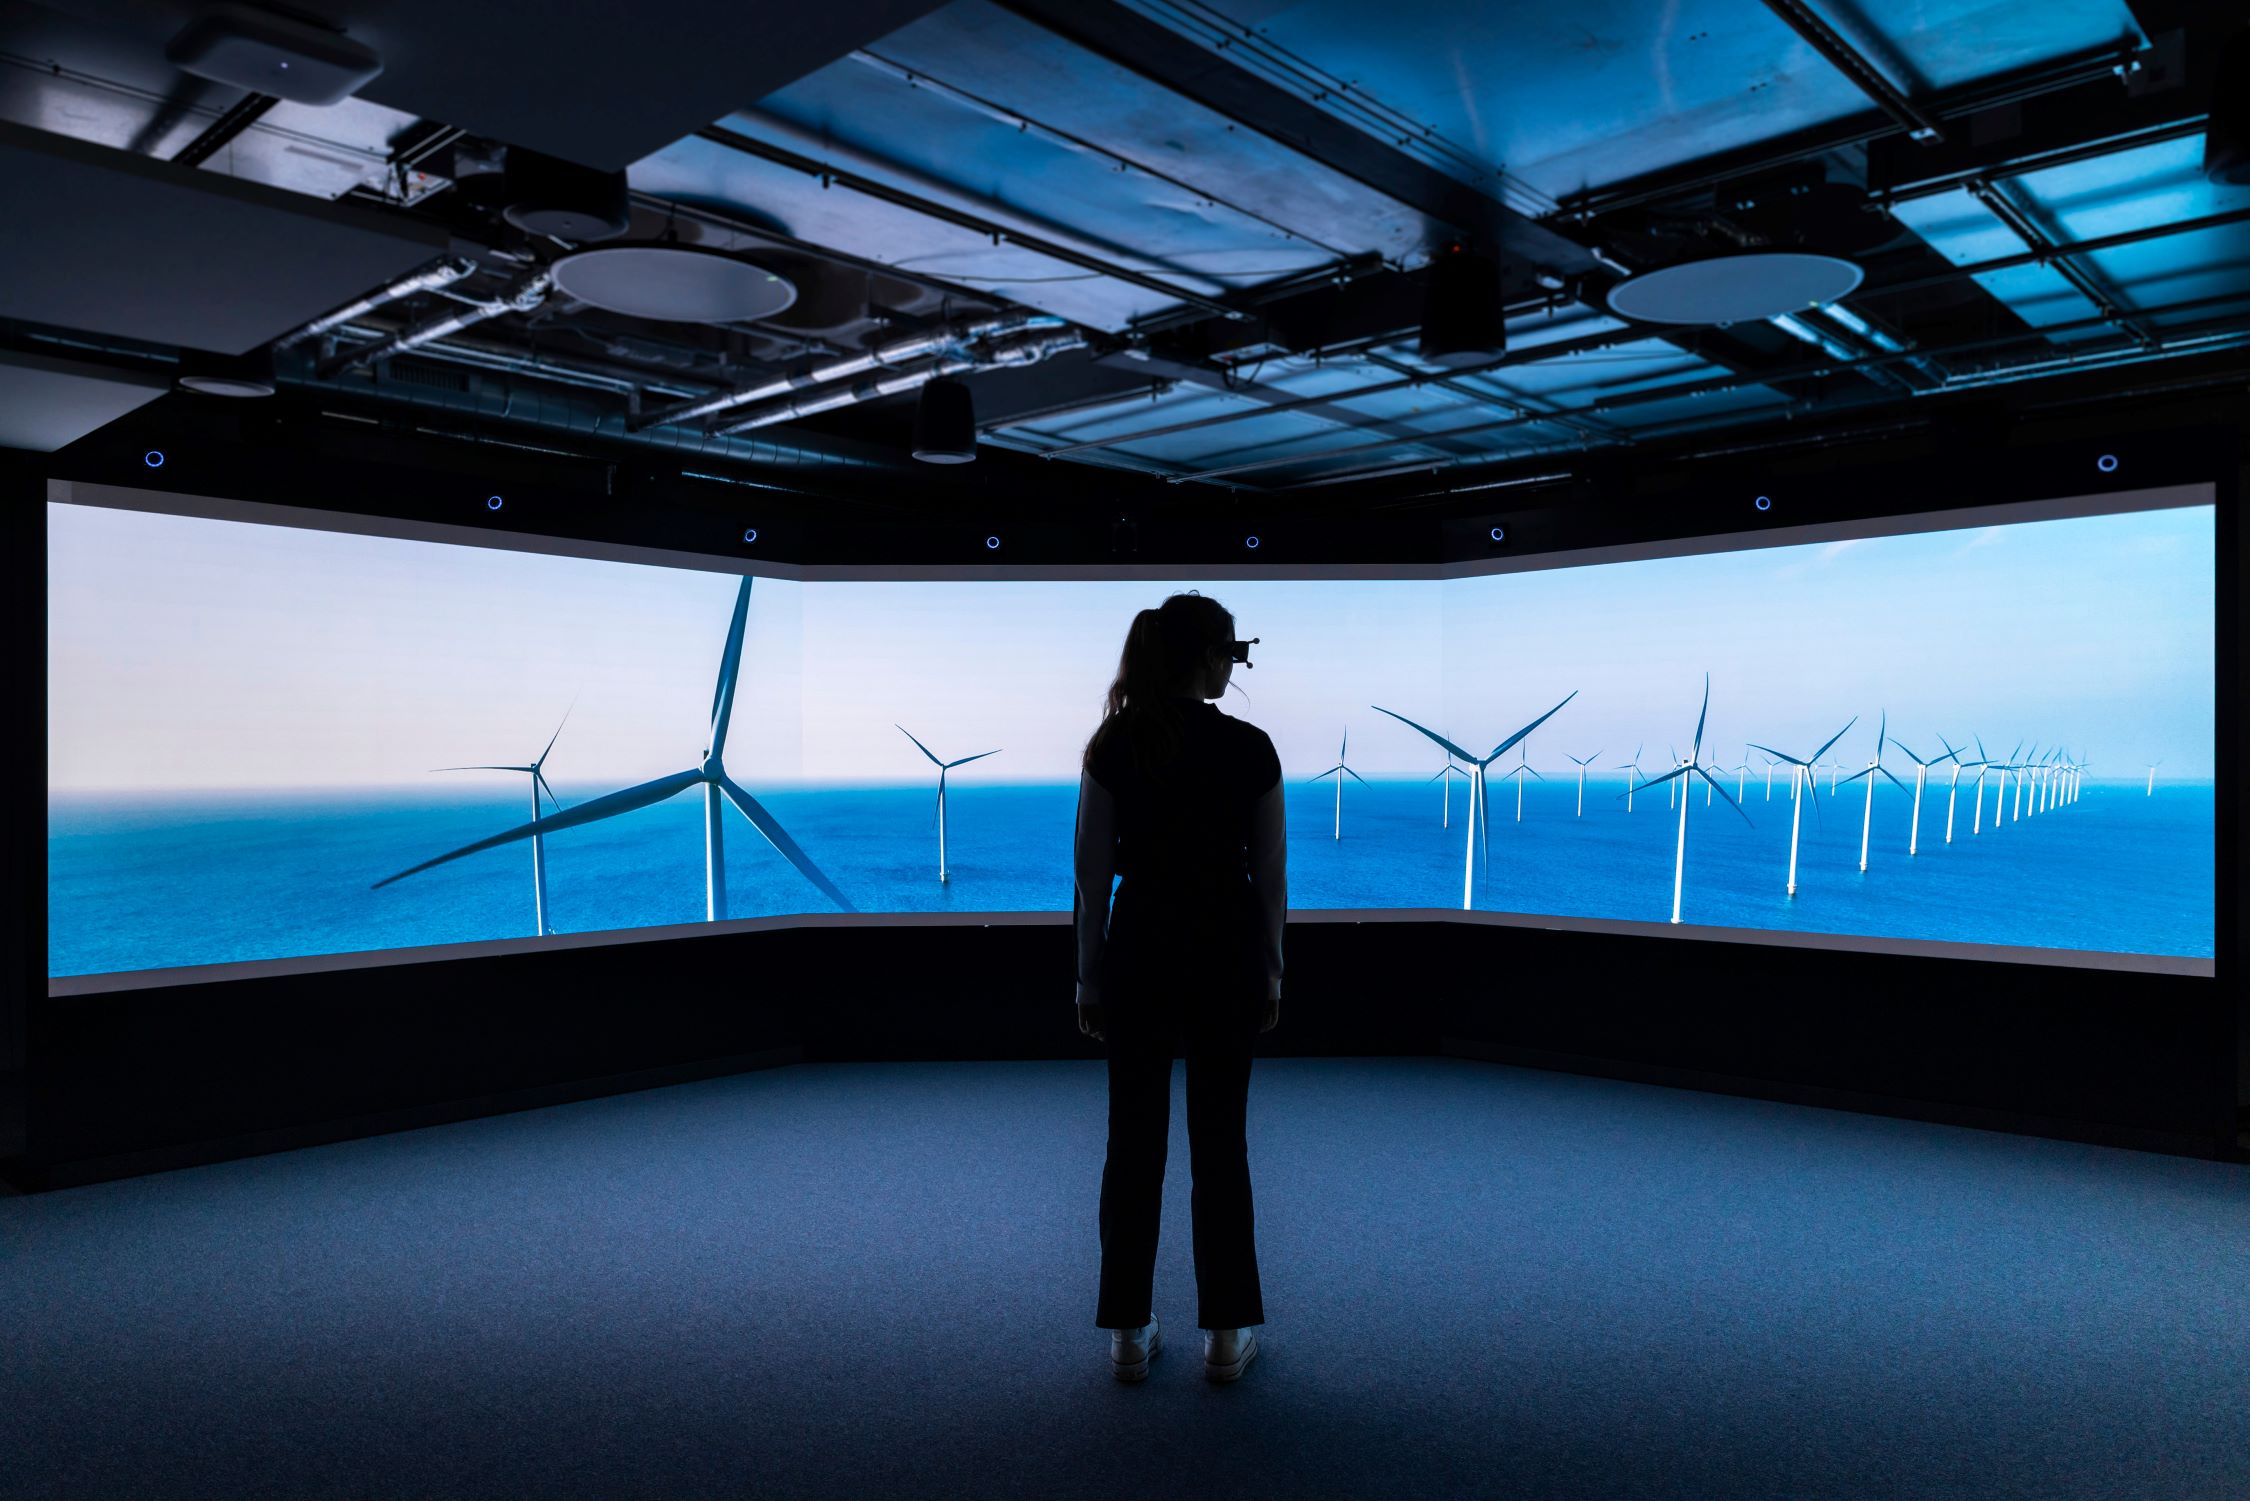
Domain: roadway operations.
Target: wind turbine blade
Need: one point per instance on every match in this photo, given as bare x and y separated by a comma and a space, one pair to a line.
1715, 787
1679, 771
1704, 713
1484, 817
1533, 770
918, 745
965, 760
1886, 771
541, 778
1832, 739
1917, 760
1777, 755
436, 769
938, 806
1510, 742
730, 670
1355, 776
557, 735
1324, 776
1950, 752
1450, 748
1440, 774
777, 836
589, 812
1855, 776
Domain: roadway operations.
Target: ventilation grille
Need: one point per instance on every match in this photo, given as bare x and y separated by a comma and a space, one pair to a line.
412, 372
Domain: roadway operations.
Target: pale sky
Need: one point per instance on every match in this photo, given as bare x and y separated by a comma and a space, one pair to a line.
186, 653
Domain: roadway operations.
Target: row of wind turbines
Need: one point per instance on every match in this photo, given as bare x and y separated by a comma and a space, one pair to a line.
2040, 782
710, 773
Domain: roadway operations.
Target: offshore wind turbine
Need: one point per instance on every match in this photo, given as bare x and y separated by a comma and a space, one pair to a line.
1874, 768
1445, 806
710, 774
942, 768
1771, 763
1953, 788
1339, 771
1479, 824
1693, 764
1583, 762
1921, 775
1631, 769
2015, 814
1803, 789
537, 769
1522, 768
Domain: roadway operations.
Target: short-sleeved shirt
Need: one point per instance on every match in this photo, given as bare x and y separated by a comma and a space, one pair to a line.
1183, 912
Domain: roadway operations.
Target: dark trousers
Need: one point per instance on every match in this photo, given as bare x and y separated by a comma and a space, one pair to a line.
1142, 1044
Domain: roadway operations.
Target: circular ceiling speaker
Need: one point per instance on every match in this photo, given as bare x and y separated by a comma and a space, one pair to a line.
238, 375
1735, 288
669, 282
945, 424
548, 196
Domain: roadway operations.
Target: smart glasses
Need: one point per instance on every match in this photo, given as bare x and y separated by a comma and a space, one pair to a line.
1240, 651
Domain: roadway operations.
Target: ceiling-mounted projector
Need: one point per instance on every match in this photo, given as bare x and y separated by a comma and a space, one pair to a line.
273, 54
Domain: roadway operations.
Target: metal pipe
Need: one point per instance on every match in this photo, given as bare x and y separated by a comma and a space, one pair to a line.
954, 362
522, 296
897, 351
444, 274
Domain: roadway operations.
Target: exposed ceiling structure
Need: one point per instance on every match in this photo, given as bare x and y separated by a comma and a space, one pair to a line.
1170, 239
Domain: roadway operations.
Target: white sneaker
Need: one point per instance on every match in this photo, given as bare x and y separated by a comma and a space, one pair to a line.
1130, 1349
1227, 1352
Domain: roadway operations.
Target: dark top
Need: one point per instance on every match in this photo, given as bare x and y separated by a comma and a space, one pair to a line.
1185, 915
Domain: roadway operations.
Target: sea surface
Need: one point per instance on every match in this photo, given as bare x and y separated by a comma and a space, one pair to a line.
139, 882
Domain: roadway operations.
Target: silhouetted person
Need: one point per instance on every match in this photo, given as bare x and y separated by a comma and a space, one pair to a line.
1184, 803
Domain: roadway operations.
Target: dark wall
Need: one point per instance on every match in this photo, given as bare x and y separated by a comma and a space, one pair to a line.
138, 1080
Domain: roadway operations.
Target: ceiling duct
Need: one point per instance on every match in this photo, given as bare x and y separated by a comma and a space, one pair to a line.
523, 296
957, 360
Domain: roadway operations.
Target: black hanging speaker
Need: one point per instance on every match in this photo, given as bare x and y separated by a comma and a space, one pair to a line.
945, 424
2226, 136
1462, 321
548, 196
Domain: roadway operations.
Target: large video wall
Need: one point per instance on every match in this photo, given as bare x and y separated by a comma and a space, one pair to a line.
272, 742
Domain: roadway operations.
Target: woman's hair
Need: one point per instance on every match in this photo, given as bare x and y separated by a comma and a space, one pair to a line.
1163, 648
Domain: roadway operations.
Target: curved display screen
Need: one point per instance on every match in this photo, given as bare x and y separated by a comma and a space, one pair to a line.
272, 742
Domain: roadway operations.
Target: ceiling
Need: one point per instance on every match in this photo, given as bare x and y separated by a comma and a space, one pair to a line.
1204, 230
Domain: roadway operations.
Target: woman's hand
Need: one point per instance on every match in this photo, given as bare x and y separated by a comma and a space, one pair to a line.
1090, 1019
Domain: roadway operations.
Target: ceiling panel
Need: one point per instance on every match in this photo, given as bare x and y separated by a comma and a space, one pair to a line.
46, 403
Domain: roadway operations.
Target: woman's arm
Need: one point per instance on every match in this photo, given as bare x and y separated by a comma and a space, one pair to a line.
1269, 881
1094, 859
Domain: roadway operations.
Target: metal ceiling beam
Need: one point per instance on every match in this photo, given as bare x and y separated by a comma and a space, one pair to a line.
930, 208
2124, 237
2036, 242
1873, 130
1848, 60
1155, 52
1732, 383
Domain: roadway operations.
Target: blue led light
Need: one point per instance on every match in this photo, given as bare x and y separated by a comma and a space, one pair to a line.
1763, 502
992, 543
2107, 463
1499, 534
492, 502
750, 534
1251, 542
154, 458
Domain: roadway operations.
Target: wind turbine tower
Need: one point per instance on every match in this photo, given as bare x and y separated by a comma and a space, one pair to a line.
1874, 768
942, 768
1583, 762
1802, 790
1445, 804
1921, 775
1340, 771
537, 769
1693, 766
1479, 825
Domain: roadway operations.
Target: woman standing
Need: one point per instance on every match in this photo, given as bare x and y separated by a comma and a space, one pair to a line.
1184, 804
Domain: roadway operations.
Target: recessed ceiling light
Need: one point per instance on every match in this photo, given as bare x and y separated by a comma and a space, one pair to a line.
670, 282
1735, 288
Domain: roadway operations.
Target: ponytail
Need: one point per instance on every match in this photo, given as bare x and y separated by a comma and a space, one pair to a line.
1164, 646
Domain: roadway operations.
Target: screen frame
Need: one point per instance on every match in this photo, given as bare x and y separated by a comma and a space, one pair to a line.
506, 537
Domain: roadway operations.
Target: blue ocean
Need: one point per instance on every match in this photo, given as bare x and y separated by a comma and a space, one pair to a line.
140, 883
